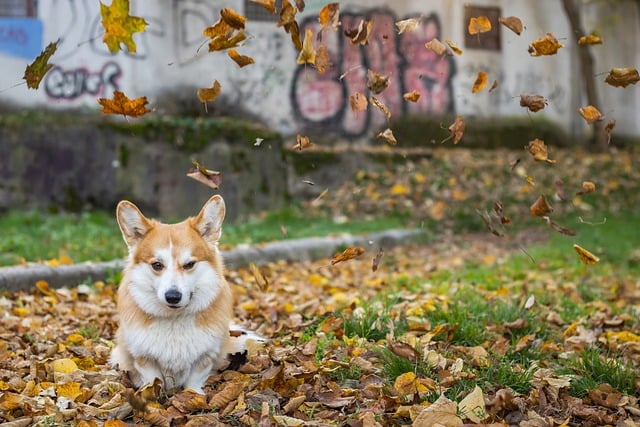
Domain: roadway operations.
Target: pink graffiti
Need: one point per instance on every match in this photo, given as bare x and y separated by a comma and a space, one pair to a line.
323, 99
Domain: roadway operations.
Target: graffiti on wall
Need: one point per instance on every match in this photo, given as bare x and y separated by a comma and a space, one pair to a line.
323, 99
71, 84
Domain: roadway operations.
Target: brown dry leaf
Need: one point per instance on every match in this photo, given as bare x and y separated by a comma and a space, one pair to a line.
586, 256
379, 105
534, 103
376, 260
436, 46
453, 47
589, 40
412, 96
513, 23
622, 77
608, 128
499, 210
441, 412
241, 60
472, 406
478, 25
141, 398
302, 142
189, 401
493, 222
287, 14
558, 227
493, 86
223, 35
590, 114
404, 350
34, 73
349, 253
538, 149
456, 130
547, 45
587, 187
228, 393
407, 25
329, 16
323, 61
261, 278
307, 54
205, 176
233, 18
358, 102
120, 104
300, 4
206, 94
540, 207
480, 82
387, 135
360, 35
270, 5
376, 83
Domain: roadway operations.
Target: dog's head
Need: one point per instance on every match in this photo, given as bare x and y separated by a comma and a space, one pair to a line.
173, 268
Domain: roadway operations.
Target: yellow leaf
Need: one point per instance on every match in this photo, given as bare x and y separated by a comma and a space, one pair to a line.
405, 383
241, 60
622, 336
399, 190
478, 25
70, 390
412, 96
307, 54
622, 77
480, 82
586, 256
209, 93
590, 114
75, 339
120, 104
538, 149
436, 46
453, 47
547, 45
64, 366
349, 253
589, 40
119, 26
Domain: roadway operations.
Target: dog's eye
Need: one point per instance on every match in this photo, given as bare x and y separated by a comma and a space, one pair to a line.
189, 265
157, 266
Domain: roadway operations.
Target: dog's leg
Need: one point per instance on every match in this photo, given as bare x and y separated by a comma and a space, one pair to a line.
199, 374
145, 371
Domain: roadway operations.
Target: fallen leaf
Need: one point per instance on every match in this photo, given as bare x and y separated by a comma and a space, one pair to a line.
376, 260
34, 73
480, 82
241, 60
307, 54
479, 25
379, 105
349, 253
472, 406
209, 94
412, 96
534, 103
589, 40
188, 401
587, 187
210, 178
453, 47
229, 392
302, 142
407, 25
270, 5
71, 390
608, 128
540, 207
119, 26
323, 61
63, 366
404, 350
358, 102
120, 104
547, 45
493, 86
622, 77
586, 256
442, 412
376, 83
436, 46
538, 149
387, 135
590, 114
559, 228
513, 23
360, 35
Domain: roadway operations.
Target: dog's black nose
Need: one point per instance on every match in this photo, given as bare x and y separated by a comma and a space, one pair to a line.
173, 296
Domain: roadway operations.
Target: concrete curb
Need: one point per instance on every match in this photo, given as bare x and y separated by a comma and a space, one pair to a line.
18, 278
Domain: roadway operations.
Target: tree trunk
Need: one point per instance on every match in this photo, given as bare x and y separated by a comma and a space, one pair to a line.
572, 10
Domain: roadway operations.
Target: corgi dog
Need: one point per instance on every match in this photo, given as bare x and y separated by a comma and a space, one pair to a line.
174, 304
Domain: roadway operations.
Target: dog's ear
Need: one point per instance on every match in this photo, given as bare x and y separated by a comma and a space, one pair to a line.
209, 220
133, 224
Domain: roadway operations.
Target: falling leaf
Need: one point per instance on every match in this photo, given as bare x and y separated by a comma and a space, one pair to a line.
210, 178
300, 4
119, 26
120, 104
472, 406
534, 103
379, 105
287, 14
302, 142
586, 256
323, 61
349, 253
209, 94
540, 207
589, 40
547, 45
587, 187
514, 163
376, 83
270, 5
227, 33
513, 23
538, 149
233, 18
412, 96
608, 128
241, 60
622, 77
360, 35
493, 86
329, 16
456, 130
478, 25
307, 54
493, 222
258, 142
499, 210
407, 25
261, 278
34, 73
387, 135
376, 260
358, 102
436, 46
453, 47
590, 114
480, 82
558, 227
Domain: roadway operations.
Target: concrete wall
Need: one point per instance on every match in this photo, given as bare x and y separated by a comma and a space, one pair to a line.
172, 53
